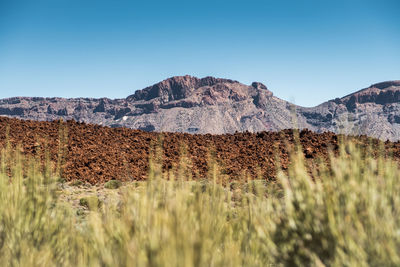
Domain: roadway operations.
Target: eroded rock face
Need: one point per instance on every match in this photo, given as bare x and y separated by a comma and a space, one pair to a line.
176, 88
259, 86
214, 105
380, 93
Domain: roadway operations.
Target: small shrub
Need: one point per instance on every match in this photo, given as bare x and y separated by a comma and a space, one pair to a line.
80, 212
112, 184
77, 183
91, 202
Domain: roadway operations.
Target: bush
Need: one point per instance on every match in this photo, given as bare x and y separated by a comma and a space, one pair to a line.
344, 215
112, 184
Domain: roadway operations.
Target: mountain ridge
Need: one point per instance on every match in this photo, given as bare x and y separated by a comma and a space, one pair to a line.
217, 105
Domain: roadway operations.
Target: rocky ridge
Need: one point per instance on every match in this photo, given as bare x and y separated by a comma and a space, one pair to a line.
214, 105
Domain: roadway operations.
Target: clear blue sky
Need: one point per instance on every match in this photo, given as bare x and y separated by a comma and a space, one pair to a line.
306, 51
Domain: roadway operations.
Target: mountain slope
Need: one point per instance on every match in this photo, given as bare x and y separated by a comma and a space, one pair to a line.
213, 105
373, 111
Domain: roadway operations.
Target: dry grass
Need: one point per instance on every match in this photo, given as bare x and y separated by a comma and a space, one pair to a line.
346, 216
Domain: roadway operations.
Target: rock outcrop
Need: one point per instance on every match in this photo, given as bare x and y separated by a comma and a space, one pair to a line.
214, 105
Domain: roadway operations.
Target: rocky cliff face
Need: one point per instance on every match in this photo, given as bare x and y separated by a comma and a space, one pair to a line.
213, 105
372, 111
176, 88
380, 93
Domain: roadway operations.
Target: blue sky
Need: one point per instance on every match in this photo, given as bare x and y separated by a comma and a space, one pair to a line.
305, 51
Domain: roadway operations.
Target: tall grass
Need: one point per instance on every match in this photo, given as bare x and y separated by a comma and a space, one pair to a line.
345, 215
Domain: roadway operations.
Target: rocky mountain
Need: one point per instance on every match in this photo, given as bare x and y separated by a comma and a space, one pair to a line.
213, 105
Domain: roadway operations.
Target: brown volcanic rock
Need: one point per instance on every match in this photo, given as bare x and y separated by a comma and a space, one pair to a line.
97, 154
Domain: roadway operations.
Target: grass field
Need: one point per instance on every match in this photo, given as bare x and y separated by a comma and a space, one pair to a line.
346, 215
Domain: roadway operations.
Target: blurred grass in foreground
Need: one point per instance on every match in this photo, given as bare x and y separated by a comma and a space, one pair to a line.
347, 215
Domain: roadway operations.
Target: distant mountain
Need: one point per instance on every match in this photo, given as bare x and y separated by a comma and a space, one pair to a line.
213, 105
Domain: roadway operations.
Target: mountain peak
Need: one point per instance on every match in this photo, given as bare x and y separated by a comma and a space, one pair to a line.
175, 88
379, 93
387, 84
